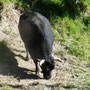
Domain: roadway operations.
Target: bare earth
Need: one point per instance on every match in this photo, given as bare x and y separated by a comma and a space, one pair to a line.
20, 74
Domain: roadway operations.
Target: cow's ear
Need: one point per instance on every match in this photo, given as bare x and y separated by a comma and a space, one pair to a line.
41, 62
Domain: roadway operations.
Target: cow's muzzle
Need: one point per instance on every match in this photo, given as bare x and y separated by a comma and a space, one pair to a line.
47, 76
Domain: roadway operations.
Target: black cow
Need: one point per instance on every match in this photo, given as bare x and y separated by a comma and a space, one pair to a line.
37, 36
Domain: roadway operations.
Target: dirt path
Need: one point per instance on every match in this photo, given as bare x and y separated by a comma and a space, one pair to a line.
18, 73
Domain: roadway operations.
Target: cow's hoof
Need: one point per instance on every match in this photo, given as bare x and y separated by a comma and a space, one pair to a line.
39, 74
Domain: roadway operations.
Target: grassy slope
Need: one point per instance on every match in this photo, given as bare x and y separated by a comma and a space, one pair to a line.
72, 30
74, 33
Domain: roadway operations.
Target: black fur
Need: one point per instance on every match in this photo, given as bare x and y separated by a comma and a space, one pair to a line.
37, 36
47, 67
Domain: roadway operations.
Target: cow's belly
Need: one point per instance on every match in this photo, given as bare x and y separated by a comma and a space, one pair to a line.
36, 52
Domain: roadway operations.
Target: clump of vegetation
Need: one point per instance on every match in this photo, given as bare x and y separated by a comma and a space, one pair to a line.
6, 87
74, 34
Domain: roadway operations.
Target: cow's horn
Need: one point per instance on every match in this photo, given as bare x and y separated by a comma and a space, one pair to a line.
57, 59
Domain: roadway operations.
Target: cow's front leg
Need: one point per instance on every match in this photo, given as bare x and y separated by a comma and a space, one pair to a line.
37, 67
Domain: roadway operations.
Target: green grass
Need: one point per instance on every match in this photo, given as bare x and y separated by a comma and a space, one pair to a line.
5, 1
74, 34
6, 87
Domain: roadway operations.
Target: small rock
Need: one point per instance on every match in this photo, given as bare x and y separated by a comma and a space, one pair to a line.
75, 76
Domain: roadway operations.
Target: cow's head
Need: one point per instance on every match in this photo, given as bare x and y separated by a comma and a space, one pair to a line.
47, 66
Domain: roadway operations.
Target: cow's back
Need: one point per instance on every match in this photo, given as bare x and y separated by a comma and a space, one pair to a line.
35, 30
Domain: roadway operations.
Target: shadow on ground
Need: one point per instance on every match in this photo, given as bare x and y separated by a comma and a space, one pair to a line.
9, 65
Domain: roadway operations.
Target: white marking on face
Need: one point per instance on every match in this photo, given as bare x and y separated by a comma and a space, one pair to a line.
41, 62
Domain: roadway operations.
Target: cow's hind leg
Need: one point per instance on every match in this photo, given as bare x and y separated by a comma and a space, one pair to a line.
27, 52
